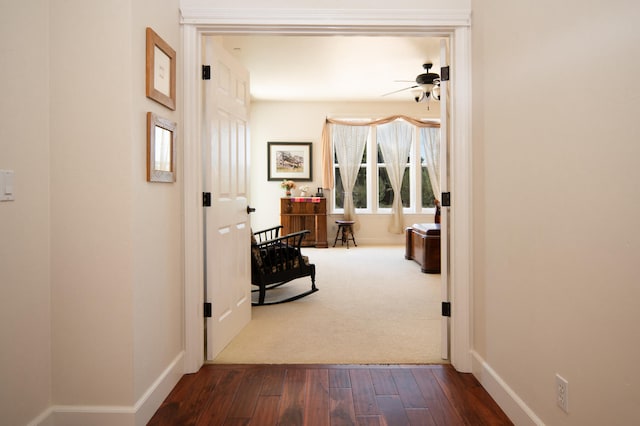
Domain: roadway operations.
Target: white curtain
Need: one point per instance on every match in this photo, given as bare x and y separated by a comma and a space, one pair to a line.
430, 144
394, 140
349, 143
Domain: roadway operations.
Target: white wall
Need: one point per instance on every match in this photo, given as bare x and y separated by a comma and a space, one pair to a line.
25, 297
302, 122
157, 214
116, 239
91, 204
555, 135
90, 265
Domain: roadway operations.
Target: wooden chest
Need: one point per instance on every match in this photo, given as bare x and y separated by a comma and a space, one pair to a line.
423, 246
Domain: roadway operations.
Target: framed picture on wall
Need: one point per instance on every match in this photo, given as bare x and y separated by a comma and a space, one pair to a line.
161, 149
161, 70
289, 160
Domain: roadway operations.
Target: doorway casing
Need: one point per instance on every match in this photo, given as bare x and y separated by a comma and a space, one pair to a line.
455, 25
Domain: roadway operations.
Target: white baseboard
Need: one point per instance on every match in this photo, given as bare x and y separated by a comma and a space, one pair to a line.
514, 407
148, 404
44, 419
135, 415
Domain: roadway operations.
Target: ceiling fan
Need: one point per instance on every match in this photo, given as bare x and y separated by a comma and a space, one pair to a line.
426, 85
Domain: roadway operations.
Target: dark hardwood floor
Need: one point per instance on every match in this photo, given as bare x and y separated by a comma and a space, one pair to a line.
266, 395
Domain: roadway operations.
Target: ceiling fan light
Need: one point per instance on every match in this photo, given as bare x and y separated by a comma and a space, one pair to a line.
427, 88
417, 94
435, 94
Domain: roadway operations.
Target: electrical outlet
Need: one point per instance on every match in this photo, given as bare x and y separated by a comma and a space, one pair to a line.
562, 393
6, 185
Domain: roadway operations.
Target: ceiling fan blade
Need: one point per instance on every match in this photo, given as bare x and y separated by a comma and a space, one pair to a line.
404, 81
400, 90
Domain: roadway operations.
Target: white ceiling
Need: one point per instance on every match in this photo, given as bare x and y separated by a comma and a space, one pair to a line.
333, 68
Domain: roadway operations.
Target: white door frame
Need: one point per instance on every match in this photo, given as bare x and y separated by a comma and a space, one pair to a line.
452, 24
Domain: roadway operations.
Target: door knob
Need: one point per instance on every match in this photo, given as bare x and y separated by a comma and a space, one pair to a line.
250, 210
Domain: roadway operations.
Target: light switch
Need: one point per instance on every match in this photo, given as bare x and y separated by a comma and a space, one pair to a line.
6, 185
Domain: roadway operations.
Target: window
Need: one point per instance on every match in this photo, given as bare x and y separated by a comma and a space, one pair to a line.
373, 193
360, 188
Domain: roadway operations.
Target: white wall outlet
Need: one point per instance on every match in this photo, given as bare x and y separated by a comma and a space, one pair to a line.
562, 393
6, 185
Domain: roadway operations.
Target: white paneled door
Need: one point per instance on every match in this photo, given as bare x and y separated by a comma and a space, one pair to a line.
225, 153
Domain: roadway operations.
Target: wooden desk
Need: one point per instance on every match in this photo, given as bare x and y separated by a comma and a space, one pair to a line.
300, 213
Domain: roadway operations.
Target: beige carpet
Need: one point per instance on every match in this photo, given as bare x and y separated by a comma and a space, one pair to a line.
373, 307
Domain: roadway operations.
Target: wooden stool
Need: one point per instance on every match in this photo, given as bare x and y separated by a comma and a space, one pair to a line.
346, 227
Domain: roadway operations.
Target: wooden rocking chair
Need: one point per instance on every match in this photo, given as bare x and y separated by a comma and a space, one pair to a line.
276, 260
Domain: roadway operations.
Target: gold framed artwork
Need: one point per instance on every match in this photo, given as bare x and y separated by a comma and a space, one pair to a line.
161, 149
161, 70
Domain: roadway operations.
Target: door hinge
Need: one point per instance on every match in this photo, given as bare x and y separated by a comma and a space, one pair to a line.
446, 199
446, 309
206, 72
444, 73
206, 199
207, 310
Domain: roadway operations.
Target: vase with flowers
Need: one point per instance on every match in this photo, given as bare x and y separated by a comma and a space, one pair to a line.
288, 185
